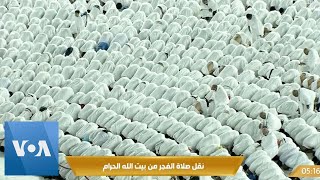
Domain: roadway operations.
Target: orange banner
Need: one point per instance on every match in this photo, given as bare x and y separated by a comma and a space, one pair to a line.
306, 171
154, 166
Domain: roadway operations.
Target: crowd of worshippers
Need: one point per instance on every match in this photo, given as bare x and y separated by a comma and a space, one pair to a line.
81, 19
266, 130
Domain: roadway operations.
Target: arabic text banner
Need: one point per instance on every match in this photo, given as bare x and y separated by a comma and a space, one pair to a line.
154, 166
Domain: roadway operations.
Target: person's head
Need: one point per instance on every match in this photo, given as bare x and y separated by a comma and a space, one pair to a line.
214, 13
69, 51
205, 2
42, 109
272, 8
245, 167
303, 76
119, 6
264, 129
281, 10
249, 16
295, 93
77, 13
214, 87
306, 51
210, 67
237, 38
198, 107
263, 115
281, 141
310, 80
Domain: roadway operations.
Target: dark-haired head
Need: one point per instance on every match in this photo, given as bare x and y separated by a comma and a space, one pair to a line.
272, 8
214, 12
42, 109
119, 6
68, 51
249, 16
77, 13
214, 87
205, 2
281, 10
295, 93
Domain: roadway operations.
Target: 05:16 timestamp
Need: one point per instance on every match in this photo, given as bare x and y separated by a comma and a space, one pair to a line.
311, 171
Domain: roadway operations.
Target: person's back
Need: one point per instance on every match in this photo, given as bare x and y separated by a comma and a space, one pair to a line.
102, 46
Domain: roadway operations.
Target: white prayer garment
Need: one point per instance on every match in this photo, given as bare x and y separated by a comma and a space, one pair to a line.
269, 144
273, 122
79, 22
306, 99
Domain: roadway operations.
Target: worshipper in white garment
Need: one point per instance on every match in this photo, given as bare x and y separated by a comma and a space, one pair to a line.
255, 129
255, 26
4, 93
241, 38
305, 98
78, 23
272, 120
269, 141
41, 115
311, 57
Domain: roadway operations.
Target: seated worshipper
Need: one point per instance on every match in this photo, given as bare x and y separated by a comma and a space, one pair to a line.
241, 38
241, 143
301, 78
305, 98
255, 129
269, 142
41, 115
272, 120
311, 57
315, 85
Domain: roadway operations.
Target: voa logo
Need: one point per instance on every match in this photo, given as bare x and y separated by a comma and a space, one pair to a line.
42, 148
31, 148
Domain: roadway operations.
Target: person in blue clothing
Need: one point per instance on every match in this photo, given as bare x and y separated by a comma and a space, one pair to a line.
102, 46
251, 175
104, 41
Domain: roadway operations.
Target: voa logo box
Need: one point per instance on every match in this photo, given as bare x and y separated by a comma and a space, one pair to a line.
31, 148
